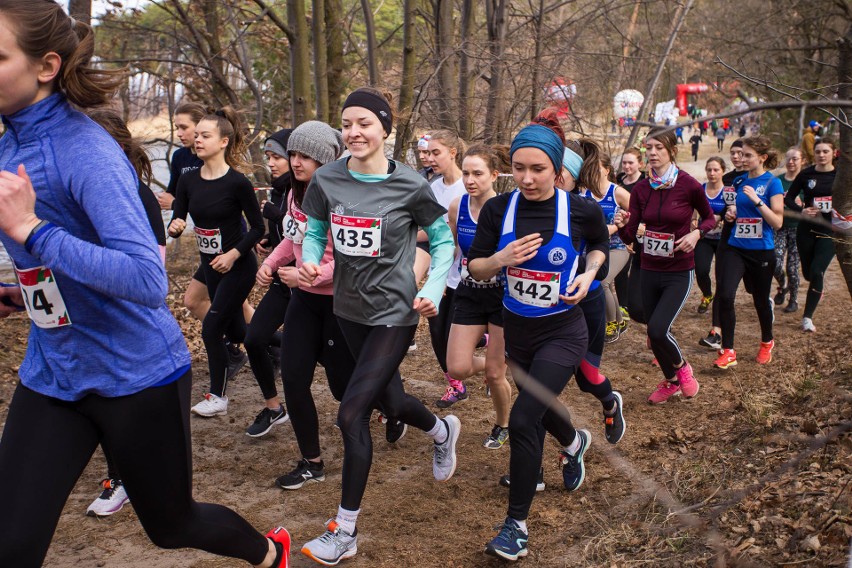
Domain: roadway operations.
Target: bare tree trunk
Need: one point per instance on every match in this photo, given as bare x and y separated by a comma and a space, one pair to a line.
444, 47
842, 190
404, 110
495, 14
81, 10
371, 42
300, 66
679, 18
465, 83
320, 59
622, 69
334, 46
535, 87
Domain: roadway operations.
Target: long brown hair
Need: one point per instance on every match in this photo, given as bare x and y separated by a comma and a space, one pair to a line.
667, 138
230, 126
763, 145
195, 111
496, 157
41, 27
590, 173
112, 122
451, 140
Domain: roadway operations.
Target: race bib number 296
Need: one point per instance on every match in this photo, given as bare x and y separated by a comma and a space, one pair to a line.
357, 236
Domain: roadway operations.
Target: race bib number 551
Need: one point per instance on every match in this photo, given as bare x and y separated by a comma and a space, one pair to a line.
533, 287
42, 298
357, 236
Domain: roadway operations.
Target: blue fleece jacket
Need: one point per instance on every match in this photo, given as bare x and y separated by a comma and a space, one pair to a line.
122, 337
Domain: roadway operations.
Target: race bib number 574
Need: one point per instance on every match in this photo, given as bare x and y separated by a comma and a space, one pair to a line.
42, 298
357, 236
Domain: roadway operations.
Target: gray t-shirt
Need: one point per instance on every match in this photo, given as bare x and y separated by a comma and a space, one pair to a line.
374, 230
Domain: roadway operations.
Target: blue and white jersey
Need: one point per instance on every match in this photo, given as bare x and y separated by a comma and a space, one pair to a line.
751, 231
610, 208
465, 231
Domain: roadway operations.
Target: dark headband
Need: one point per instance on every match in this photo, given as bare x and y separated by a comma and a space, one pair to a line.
373, 103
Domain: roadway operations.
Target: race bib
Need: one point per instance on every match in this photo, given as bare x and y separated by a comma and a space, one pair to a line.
534, 288
659, 244
729, 195
293, 227
749, 228
209, 240
823, 204
470, 280
42, 298
357, 236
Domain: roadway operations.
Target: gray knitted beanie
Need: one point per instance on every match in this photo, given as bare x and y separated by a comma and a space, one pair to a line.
316, 140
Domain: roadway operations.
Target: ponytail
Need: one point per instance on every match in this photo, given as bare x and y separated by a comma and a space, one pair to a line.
115, 126
590, 173
230, 126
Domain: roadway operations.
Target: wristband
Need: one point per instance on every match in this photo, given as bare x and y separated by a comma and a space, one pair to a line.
42, 226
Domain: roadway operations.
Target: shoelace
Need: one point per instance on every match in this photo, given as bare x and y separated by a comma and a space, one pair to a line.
441, 450
451, 393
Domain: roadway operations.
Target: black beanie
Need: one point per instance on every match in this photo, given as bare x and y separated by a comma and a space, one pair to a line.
373, 103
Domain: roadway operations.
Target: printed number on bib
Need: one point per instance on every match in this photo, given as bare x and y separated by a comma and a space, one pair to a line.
357, 236
533, 288
470, 280
749, 228
659, 244
294, 227
823, 204
729, 195
42, 298
209, 240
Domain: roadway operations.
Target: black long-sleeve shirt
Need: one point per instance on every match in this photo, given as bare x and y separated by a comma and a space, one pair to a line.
184, 161
811, 184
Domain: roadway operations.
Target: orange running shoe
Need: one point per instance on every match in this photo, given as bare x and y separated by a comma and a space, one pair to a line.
727, 358
764, 356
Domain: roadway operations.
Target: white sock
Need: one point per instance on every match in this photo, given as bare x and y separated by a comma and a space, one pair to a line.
439, 431
521, 525
346, 519
574, 446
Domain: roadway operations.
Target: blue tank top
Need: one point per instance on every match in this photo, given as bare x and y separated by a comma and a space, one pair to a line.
465, 231
610, 208
717, 204
533, 288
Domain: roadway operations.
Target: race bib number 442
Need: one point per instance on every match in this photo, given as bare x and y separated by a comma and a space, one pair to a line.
357, 236
532, 287
42, 298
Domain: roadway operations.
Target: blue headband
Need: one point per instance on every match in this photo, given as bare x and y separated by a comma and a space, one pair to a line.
543, 138
572, 162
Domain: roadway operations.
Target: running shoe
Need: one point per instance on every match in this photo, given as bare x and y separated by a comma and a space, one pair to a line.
792, 306
654, 362
510, 543
212, 405
281, 539
713, 341
573, 468
779, 297
764, 355
395, 430
305, 472
622, 327
808, 325
727, 358
614, 425
111, 500
705, 304
444, 459
611, 332
506, 481
664, 391
624, 313
266, 420
412, 347
453, 395
332, 546
688, 385
496, 438
236, 360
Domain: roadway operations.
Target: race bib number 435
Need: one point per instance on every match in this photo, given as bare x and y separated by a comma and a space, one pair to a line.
532, 287
357, 236
42, 298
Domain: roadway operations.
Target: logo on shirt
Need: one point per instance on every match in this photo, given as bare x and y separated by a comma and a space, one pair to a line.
811, 183
557, 256
339, 209
760, 190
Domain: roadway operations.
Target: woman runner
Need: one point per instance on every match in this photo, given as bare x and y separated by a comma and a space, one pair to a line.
785, 238
92, 281
707, 248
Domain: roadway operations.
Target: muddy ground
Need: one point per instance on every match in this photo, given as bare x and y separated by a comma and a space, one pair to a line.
752, 472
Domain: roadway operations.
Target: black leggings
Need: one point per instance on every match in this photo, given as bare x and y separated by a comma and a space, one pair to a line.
634, 295
312, 335
705, 251
268, 317
589, 378
734, 263
622, 285
225, 318
663, 296
439, 327
47, 443
378, 352
816, 251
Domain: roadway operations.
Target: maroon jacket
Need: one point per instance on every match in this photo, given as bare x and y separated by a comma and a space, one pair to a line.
667, 211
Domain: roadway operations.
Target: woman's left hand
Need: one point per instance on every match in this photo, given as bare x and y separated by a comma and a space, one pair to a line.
17, 205
578, 289
224, 262
425, 307
687, 242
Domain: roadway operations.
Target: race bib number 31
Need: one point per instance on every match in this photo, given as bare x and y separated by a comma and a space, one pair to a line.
532, 287
823, 204
42, 298
659, 244
357, 236
209, 240
749, 228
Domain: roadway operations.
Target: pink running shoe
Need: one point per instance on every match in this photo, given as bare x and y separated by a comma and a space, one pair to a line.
665, 390
688, 384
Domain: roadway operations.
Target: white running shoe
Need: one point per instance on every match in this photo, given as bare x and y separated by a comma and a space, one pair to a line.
212, 405
808, 325
332, 546
111, 500
444, 459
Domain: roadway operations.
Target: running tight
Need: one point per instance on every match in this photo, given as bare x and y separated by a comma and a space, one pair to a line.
705, 252
378, 352
439, 327
618, 259
816, 251
312, 335
734, 263
634, 297
663, 297
47, 443
225, 318
268, 317
589, 378
785, 245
